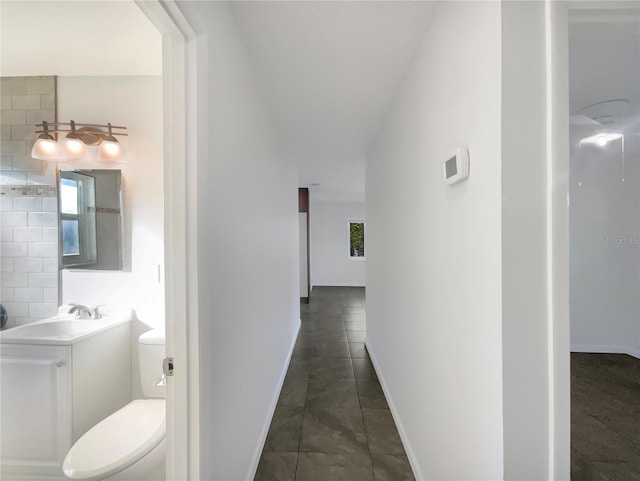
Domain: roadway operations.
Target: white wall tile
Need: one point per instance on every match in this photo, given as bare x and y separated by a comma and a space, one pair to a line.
6, 161
16, 309
7, 264
14, 117
6, 294
13, 147
49, 234
20, 321
40, 85
49, 204
28, 224
14, 279
6, 204
13, 86
27, 234
5, 102
50, 294
23, 132
43, 279
25, 102
47, 101
14, 249
42, 219
28, 264
28, 294
27, 204
46, 177
37, 116
24, 162
6, 234
43, 249
50, 264
13, 219
43, 310
13, 178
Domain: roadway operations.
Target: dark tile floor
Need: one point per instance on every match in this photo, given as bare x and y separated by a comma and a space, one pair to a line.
332, 422
605, 417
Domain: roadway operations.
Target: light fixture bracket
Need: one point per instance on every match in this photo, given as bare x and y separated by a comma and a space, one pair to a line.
75, 127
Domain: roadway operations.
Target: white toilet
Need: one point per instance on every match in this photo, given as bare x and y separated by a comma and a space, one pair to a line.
129, 445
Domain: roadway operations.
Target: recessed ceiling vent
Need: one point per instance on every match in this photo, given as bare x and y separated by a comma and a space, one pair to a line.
610, 113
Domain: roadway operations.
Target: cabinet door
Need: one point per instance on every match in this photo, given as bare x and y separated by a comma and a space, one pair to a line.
35, 408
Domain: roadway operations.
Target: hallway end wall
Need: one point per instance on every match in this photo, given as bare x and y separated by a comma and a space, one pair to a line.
434, 250
331, 264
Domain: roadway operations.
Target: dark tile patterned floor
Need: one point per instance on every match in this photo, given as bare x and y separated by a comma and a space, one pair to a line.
605, 417
332, 422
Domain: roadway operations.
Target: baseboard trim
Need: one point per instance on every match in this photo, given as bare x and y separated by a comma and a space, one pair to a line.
417, 472
253, 467
601, 349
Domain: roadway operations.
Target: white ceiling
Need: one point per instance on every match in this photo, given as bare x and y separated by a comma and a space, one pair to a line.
330, 71
604, 56
604, 64
88, 37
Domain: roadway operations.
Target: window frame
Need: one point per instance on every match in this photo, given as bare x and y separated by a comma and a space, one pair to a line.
364, 230
83, 210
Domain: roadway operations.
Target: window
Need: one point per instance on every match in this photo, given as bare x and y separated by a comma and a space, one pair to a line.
356, 239
77, 218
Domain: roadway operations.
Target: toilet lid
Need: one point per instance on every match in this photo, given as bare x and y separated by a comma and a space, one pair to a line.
117, 441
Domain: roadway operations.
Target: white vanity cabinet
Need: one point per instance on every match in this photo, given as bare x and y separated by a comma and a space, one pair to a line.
52, 394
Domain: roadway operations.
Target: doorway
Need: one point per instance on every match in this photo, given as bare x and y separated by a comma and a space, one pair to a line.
180, 194
604, 247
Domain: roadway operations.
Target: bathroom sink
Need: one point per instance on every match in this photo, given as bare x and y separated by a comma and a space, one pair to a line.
58, 328
63, 329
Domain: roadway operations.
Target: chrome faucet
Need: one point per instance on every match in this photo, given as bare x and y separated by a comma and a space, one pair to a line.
84, 312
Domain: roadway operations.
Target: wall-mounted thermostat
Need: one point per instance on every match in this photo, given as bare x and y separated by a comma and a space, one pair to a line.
456, 167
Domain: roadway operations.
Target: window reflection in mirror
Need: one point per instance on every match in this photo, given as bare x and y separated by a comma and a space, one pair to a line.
91, 219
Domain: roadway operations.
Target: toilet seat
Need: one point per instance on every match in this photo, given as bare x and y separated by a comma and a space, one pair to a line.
118, 441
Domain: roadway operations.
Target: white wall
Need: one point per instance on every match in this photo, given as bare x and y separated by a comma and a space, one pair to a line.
248, 257
486, 295
136, 102
329, 232
434, 251
525, 352
605, 228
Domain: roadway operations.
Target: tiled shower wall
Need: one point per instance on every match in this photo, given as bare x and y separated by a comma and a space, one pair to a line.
28, 202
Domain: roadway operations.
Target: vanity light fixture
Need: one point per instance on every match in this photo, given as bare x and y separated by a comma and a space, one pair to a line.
80, 143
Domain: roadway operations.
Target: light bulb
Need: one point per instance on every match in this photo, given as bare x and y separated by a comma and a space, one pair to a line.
75, 149
45, 148
74, 146
109, 150
601, 139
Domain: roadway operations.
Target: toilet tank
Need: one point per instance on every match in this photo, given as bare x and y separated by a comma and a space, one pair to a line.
151, 352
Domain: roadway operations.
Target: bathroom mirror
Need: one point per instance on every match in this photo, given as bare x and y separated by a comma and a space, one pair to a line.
90, 219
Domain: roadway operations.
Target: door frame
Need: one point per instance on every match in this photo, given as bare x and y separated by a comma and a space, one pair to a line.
558, 192
180, 235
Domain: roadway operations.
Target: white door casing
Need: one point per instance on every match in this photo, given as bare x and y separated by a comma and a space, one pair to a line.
180, 239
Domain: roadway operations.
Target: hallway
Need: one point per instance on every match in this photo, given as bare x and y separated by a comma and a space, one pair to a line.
332, 421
